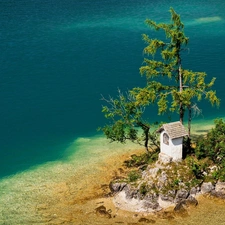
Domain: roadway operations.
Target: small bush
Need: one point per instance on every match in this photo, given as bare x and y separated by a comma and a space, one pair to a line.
213, 147
133, 175
141, 160
143, 189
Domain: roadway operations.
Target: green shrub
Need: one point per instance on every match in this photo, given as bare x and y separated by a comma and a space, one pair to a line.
141, 160
133, 175
176, 182
200, 151
195, 167
143, 189
213, 147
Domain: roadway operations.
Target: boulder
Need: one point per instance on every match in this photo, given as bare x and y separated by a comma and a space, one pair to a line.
181, 195
191, 201
207, 187
144, 220
131, 192
217, 194
116, 187
181, 207
101, 211
152, 205
164, 159
151, 201
169, 197
219, 190
220, 187
193, 191
165, 200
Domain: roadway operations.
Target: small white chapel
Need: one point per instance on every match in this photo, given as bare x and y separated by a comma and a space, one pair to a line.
171, 140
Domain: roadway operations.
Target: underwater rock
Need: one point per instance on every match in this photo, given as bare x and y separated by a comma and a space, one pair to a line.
191, 201
180, 207
144, 220
101, 211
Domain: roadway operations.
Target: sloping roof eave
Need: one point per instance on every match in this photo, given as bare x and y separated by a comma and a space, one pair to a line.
174, 130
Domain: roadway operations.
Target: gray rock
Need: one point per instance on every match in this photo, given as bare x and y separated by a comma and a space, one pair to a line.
198, 189
181, 207
153, 171
151, 201
131, 192
164, 159
116, 187
163, 177
162, 180
101, 211
167, 197
181, 195
144, 220
217, 194
220, 187
219, 190
151, 197
151, 205
193, 191
207, 187
183, 204
191, 201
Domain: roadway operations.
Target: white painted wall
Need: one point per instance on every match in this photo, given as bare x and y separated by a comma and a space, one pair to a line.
177, 148
174, 149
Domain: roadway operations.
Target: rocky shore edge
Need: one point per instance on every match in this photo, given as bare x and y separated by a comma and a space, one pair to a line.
130, 198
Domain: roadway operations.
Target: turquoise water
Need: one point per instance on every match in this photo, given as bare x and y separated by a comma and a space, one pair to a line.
58, 57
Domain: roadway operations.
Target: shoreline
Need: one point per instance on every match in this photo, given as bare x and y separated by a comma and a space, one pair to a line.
70, 191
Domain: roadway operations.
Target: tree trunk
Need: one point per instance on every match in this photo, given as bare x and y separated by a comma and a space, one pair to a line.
189, 121
181, 111
146, 130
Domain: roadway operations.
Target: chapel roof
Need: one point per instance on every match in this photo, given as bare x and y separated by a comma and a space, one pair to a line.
174, 129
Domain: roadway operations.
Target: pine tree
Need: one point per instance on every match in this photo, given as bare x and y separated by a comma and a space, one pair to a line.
168, 84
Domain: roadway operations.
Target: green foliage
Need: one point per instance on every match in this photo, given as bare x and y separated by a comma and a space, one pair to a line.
213, 147
144, 189
133, 176
179, 88
176, 182
168, 85
200, 148
126, 121
142, 160
195, 168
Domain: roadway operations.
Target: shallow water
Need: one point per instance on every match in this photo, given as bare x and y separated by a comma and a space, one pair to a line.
68, 191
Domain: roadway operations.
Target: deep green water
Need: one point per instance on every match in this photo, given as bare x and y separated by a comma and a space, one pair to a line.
58, 57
